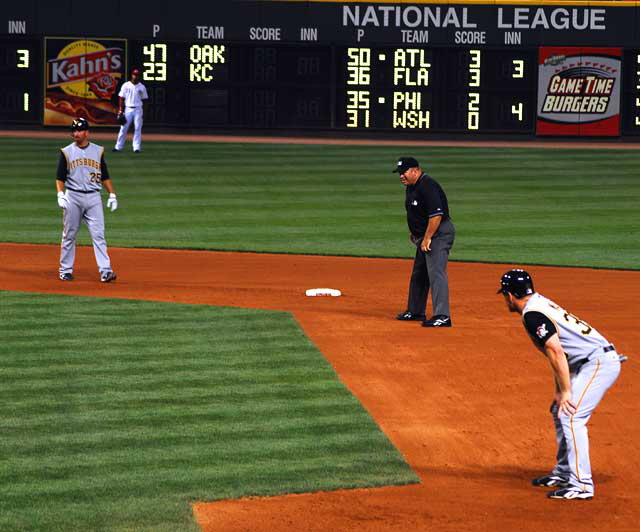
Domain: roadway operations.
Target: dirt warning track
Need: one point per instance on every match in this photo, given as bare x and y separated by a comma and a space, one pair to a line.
466, 406
552, 143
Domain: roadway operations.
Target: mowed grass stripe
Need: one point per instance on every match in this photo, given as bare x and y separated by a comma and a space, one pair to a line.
106, 435
106, 427
202, 395
120, 416
142, 381
244, 454
509, 204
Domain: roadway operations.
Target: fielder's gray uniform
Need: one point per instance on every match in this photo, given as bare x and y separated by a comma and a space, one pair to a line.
83, 170
594, 366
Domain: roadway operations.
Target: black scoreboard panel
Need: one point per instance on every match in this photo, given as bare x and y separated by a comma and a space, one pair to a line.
350, 88
630, 100
20, 79
342, 87
354, 66
235, 85
437, 89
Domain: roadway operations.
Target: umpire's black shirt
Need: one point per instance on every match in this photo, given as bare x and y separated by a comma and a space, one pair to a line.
424, 200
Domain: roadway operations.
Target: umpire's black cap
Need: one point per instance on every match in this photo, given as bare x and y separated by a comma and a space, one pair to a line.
517, 282
404, 163
79, 124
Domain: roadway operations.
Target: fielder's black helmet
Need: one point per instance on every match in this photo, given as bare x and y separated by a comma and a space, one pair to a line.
516, 282
79, 124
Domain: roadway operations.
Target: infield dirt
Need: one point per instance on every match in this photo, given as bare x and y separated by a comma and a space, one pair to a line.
467, 406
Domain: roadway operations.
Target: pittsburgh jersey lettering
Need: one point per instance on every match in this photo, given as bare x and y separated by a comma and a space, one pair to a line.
83, 167
577, 337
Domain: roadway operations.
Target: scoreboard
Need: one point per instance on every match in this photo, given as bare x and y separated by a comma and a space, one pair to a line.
349, 67
20, 80
440, 89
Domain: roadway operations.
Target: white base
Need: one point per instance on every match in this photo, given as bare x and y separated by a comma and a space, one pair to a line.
313, 292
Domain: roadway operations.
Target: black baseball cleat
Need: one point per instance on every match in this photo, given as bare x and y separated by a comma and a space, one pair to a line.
107, 277
66, 277
407, 315
550, 481
115, 150
570, 493
438, 321
136, 151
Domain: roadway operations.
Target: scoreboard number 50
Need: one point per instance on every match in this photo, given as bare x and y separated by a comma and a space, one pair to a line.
359, 66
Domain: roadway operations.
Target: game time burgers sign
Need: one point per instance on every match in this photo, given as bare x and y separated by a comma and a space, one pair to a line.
81, 80
579, 91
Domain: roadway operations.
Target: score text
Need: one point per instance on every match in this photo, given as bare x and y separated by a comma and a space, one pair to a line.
155, 67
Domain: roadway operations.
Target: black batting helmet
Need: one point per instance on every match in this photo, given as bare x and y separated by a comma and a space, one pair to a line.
79, 124
516, 282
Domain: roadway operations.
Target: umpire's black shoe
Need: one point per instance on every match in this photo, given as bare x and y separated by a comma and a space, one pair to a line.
66, 277
407, 315
438, 321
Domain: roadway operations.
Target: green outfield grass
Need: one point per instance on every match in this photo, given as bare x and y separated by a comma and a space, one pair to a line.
569, 207
116, 414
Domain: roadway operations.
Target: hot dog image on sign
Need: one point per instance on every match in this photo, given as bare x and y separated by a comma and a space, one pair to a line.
82, 77
579, 91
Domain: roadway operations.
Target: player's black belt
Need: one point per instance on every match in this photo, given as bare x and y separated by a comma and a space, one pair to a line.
578, 365
82, 191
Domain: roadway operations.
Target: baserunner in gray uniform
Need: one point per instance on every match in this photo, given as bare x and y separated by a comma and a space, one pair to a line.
584, 366
81, 174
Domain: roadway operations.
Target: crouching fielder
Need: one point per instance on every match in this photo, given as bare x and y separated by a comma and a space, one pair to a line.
584, 366
81, 174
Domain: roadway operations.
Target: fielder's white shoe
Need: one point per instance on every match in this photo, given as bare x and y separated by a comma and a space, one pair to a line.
570, 493
550, 481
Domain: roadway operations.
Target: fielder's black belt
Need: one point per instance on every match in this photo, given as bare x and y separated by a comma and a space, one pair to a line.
578, 365
82, 191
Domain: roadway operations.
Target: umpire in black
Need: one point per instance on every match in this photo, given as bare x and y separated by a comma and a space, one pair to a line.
433, 233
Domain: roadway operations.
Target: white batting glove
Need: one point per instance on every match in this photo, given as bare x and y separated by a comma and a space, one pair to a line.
112, 202
63, 202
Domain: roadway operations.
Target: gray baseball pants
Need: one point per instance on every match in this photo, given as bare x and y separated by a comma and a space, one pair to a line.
588, 387
430, 273
87, 208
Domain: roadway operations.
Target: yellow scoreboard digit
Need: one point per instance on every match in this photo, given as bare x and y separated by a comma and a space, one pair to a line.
155, 65
473, 108
23, 58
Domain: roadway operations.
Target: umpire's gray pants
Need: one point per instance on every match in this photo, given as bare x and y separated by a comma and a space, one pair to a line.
87, 208
430, 272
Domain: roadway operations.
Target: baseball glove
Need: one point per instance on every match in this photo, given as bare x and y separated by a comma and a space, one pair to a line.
121, 119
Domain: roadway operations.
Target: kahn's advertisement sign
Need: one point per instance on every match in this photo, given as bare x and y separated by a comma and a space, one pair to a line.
82, 77
579, 91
